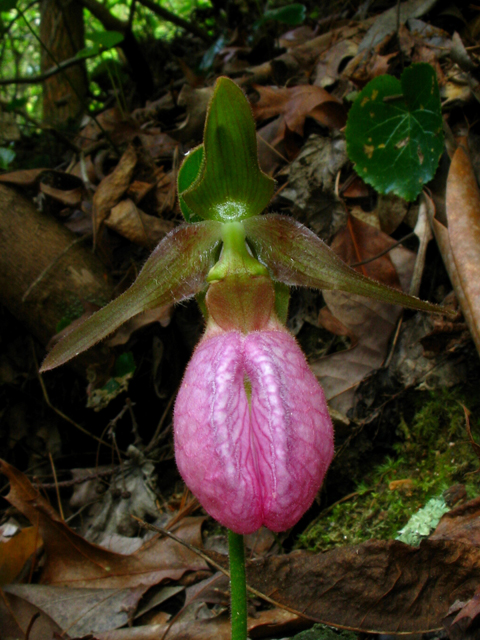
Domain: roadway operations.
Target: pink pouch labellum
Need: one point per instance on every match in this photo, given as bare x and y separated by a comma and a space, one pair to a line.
259, 460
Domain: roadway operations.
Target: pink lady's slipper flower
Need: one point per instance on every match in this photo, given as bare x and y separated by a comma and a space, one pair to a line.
253, 436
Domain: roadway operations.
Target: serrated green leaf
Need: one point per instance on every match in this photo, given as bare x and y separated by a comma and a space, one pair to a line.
189, 172
231, 185
176, 270
106, 39
295, 256
395, 132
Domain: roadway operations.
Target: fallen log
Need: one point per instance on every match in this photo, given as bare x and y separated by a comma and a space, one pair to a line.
46, 271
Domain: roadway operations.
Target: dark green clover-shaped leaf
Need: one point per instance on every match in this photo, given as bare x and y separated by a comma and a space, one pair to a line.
230, 185
394, 131
176, 270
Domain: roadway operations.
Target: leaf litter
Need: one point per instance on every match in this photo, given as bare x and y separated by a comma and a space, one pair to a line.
299, 99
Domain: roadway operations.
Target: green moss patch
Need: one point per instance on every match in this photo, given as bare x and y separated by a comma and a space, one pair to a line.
432, 454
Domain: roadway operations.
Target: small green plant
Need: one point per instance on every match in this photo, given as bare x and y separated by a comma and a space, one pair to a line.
395, 132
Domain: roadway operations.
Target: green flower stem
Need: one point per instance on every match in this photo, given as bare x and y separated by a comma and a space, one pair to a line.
238, 586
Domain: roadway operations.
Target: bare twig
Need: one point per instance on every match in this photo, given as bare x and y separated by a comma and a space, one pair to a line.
174, 19
54, 471
65, 484
57, 411
216, 565
382, 253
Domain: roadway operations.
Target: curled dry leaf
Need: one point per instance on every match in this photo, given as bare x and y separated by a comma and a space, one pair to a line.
22, 178
73, 561
296, 103
196, 102
463, 216
112, 188
16, 615
15, 551
194, 624
70, 198
132, 223
81, 611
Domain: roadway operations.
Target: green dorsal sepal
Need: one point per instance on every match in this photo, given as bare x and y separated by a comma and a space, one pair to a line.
230, 184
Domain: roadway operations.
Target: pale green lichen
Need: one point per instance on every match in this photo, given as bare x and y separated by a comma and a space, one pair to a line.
422, 523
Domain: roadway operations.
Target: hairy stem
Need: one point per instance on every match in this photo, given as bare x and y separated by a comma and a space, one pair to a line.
238, 588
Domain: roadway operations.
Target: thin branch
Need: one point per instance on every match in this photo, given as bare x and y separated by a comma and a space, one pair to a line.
216, 565
108, 20
174, 19
382, 253
57, 411
41, 77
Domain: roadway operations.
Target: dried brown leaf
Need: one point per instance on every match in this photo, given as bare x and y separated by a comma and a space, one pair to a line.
371, 322
463, 215
132, 223
15, 551
73, 561
296, 103
461, 524
82, 611
17, 616
22, 178
191, 625
70, 198
112, 188
380, 586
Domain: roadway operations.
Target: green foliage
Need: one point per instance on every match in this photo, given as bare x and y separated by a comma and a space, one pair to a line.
291, 15
7, 5
20, 51
323, 632
106, 39
7, 156
395, 133
432, 455
123, 371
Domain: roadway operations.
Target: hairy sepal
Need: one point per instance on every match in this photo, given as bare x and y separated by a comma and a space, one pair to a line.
295, 256
258, 458
177, 269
